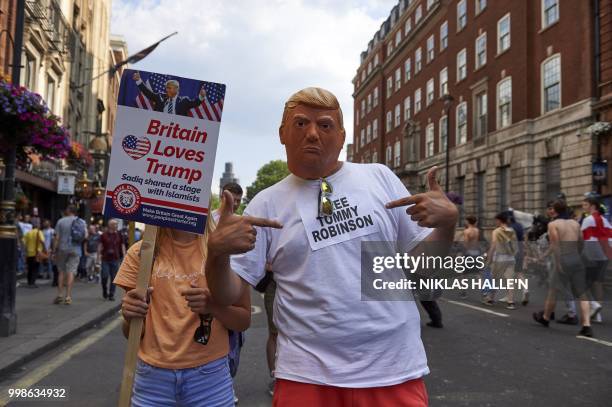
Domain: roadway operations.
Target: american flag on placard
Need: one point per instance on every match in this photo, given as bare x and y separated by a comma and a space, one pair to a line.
211, 107
136, 147
155, 82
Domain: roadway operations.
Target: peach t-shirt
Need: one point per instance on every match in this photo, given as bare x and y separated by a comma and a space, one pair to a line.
170, 324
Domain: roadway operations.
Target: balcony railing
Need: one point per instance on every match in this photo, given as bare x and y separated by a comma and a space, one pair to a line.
48, 14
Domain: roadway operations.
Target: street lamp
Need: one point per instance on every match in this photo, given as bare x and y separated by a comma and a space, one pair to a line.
83, 188
448, 101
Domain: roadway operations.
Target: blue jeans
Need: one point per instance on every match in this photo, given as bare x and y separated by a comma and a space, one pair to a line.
209, 385
109, 270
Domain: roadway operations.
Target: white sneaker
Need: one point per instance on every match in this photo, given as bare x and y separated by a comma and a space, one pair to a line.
503, 299
595, 310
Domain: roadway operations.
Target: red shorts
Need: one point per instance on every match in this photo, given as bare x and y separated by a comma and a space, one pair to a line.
288, 393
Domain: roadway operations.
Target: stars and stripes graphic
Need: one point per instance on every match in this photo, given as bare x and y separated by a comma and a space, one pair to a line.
136, 147
212, 105
157, 84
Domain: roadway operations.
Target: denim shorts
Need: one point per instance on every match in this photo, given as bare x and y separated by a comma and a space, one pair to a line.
207, 385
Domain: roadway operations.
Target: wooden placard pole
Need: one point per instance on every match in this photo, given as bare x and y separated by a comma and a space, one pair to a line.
144, 276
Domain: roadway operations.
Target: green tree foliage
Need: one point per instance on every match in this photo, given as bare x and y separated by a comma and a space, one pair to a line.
267, 176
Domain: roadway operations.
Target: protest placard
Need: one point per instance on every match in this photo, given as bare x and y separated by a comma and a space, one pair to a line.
163, 150
161, 167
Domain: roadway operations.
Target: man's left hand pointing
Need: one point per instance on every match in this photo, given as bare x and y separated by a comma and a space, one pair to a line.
429, 209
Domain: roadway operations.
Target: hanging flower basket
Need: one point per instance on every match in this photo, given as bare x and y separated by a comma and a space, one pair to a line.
80, 154
27, 124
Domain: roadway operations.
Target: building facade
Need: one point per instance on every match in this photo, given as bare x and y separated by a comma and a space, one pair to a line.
509, 85
8, 15
66, 50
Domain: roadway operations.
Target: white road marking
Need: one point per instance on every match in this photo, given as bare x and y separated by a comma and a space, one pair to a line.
499, 314
255, 309
599, 341
41, 372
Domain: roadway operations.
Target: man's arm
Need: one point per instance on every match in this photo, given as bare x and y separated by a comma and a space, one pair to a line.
147, 92
234, 234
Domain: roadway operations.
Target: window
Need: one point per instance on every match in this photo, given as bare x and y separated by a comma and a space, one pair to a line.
431, 94
430, 48
551, 73
389, 48
357, 116
430, 4
50, 99
362, 108
461, 123
407, 70
443, 130
374, 129
418, 62
461, 191
504, 103
369, 133
369, 67
461, 65
398, 37
398, 115
444, 36
30, 72
481, 114
480, 194
363, 73
376, 60
461, 15
407, 108
552, 177
550, 12
389, 86
481, 50
389, 156
429, 140
398, 78
443, 82
417, 101
389, 122
396, 154
369, 102
504, 188
408, 26
376, 96
503, 34
375, 157
418, 14
480, 6
362, 137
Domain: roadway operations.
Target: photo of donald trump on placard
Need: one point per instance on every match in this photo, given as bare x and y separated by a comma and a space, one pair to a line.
172, 95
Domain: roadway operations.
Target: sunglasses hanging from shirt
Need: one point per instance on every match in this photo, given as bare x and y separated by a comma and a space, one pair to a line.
202, 333
326, 208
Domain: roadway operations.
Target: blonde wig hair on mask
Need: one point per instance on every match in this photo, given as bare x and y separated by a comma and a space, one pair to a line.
314, 97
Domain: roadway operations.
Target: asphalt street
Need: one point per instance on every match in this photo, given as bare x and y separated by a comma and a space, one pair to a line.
484, 356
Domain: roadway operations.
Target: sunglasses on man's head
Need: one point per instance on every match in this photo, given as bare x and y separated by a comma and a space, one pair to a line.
326, 208
202, 333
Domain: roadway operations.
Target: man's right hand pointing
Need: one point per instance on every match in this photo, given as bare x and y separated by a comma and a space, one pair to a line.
235, 234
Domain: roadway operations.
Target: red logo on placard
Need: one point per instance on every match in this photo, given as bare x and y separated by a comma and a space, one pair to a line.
126, 199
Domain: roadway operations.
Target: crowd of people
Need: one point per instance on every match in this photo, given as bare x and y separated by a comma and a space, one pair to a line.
567, 250
69, 251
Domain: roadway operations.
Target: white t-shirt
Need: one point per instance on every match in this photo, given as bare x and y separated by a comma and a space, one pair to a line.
326, 334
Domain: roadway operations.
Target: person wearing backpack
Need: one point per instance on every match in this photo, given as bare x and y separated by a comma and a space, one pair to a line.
184, 351
70, 232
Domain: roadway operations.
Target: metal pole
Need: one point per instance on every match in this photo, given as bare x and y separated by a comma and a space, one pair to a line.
8, 231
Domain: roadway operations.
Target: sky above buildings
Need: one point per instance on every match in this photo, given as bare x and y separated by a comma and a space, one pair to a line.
263, 50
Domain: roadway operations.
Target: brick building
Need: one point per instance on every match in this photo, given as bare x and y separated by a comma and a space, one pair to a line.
512, 83
8, 15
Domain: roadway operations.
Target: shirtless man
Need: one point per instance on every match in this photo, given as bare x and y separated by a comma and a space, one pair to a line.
568, 271
471, 237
